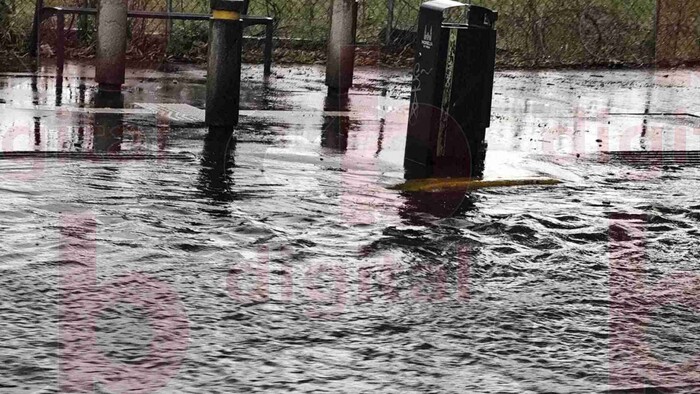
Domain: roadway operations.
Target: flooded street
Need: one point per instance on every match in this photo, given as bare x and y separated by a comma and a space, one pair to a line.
280, 260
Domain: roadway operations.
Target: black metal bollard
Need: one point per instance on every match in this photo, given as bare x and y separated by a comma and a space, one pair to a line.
451, 92
224, 68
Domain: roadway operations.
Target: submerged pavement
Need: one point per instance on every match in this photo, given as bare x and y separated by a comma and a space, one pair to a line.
566, 115
282, 260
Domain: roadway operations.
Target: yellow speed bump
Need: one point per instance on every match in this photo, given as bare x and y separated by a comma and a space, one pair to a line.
456, 184
225, 15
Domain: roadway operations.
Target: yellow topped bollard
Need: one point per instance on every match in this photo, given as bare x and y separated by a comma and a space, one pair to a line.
224, 65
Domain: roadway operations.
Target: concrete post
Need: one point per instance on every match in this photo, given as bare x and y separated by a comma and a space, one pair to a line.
110, 65
224, 65
341, 47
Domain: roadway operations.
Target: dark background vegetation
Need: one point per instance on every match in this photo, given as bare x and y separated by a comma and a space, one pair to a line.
543, 33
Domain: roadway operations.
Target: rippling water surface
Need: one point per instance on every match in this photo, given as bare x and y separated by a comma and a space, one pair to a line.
280, 261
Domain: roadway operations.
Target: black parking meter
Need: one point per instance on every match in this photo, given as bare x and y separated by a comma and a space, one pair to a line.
224, 64
451, 91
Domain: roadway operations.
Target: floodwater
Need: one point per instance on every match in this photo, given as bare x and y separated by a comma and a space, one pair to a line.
141, 254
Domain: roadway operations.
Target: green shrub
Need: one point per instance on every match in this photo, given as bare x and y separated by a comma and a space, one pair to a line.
188, 39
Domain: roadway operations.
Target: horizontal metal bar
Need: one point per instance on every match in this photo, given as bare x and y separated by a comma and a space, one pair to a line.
247, 20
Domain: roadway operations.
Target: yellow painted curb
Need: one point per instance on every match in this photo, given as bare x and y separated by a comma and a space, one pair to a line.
439, 184
225, 15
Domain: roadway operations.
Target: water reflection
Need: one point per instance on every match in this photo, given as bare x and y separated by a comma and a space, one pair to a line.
37, 132
645, 119
258, 95
81, 95
216, 173
34, 84
59, 92
380, 137
533, 317
108, 129
443, 204
335, 129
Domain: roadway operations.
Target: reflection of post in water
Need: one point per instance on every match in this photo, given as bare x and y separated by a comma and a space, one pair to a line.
441, 204
380, 137
334, 132
81, 94
645, 119
59, 91
37, 131
215, 177
108, 128
35, 90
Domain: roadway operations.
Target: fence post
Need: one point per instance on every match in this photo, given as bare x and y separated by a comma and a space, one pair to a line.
268, 48
83, 23
656, 30
533, 18
34, 37
389, 21
60, 43
169, 23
